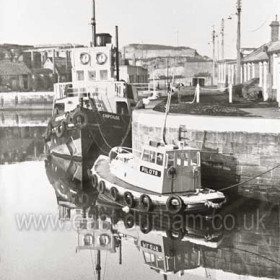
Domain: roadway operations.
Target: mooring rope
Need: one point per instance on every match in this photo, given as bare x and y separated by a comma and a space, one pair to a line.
246, 181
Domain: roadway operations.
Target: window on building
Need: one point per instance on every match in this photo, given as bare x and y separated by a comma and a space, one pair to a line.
92, 75
80, 75
131, 78
103, 75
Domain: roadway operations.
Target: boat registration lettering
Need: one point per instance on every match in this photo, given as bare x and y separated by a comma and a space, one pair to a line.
150, 171
151, 246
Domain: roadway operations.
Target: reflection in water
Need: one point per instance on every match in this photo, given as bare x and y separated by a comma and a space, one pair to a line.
243, 240
19, 144
71, 183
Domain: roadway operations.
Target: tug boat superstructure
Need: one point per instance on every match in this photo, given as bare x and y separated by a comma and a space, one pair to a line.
92, 113
161, 177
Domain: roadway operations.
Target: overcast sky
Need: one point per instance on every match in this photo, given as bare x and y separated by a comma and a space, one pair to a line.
139, 21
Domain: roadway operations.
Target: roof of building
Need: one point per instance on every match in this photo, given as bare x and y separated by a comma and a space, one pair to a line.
261, 53
44, 71
9, 68
274, 47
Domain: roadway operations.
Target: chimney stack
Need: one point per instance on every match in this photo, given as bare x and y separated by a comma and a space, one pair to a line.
274, 30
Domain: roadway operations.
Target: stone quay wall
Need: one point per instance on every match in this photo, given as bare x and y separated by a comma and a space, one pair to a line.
233, 149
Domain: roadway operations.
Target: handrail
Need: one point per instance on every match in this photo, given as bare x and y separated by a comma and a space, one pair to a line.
62, 89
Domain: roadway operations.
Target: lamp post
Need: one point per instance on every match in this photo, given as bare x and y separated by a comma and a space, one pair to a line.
238, 43
213, 64
223, 38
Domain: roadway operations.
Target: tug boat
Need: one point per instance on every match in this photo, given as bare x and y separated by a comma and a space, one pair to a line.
160, 178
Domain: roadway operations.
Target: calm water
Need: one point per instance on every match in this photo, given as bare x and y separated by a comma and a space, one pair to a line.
50, 229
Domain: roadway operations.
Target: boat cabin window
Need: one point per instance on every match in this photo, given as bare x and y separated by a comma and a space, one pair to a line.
80, 75
154, 260
92, 75
103, 75
150, 259
149, 156
170, 161
195, 158
182, 159
159, 159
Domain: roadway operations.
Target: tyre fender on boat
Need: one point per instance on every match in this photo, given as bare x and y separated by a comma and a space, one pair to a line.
129, 220
145, 224
80, 119
101, 187
174, 204
61, 129
114, 193
49, 131
171, 172
129, 199
94, 181
175, 234
146, 202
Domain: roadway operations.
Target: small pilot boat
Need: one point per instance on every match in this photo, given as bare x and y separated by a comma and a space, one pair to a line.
160, 178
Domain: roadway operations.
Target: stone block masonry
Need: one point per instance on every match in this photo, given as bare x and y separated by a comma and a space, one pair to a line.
233, 149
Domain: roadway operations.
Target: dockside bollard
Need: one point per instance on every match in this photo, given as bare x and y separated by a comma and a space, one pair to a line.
230, 93
197, 93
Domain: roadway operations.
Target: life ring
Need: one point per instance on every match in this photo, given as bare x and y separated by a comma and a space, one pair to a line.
129, 199
174, 204
175, 234
80, 119
145, 224
114, 193
61, 128
94, 181
101, 187
146, 202
129, 221
171, 171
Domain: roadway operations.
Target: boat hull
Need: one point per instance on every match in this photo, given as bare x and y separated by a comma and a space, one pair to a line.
97, 135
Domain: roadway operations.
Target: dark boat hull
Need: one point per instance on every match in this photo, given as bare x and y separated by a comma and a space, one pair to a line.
99, 132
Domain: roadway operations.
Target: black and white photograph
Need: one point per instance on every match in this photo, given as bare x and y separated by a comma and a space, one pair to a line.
139, 139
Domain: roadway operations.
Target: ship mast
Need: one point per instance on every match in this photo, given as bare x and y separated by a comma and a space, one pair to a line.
93, 24
98, 266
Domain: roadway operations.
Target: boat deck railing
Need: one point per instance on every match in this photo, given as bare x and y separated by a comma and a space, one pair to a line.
82, 89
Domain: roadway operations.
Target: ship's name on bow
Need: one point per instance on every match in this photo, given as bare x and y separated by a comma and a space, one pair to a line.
111, 116
150, 171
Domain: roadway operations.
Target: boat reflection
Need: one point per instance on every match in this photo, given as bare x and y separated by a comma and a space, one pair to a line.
242, 239
168, 244
71, 183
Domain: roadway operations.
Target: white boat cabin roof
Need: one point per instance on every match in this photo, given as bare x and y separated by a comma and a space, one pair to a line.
158, 147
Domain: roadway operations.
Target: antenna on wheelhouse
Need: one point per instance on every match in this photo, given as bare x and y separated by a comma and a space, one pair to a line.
93, 25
